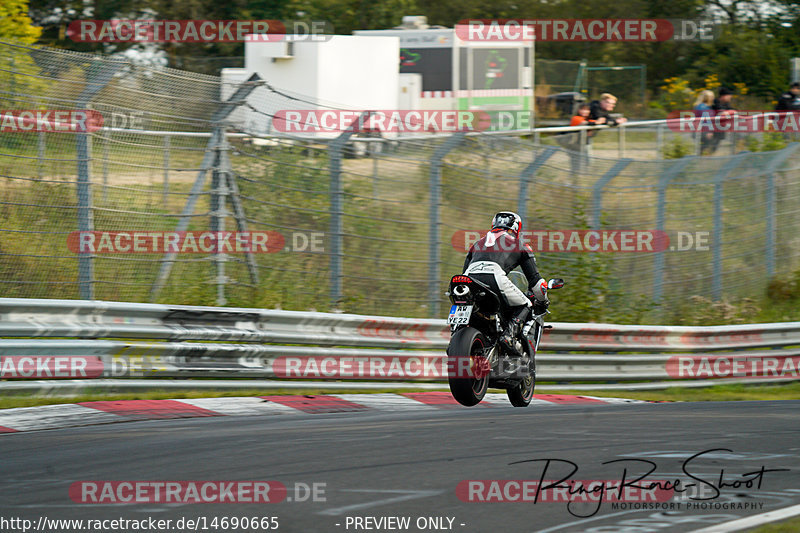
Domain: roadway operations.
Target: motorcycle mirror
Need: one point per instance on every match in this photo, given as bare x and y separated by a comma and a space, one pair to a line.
555, 283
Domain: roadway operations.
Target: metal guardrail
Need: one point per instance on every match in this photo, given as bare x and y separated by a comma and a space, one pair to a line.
151, 340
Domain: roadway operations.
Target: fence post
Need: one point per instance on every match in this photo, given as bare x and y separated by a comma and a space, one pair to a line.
219, 194
719, 178
433, 219
98, 75
668, 175
597, 189
621, 140
525, 176
41, 146
165, 200
771, 205
85, 222
659, 141
335, 151
106, 136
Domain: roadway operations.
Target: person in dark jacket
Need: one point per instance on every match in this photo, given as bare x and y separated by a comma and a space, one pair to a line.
496, 254
790, 100
600, 111
721, 106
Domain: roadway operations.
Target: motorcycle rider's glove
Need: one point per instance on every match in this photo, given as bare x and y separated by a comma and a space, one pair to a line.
539, 307
538, 295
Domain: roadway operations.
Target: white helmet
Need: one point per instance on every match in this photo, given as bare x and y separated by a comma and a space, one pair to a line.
507, 220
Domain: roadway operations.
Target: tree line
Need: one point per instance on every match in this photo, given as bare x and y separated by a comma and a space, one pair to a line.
754, 44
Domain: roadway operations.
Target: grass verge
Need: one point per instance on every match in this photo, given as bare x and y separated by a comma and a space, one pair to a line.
718, 393
789, 526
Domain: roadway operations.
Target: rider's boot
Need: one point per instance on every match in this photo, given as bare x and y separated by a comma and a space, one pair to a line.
513, 328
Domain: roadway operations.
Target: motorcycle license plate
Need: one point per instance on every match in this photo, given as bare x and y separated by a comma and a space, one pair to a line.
459, 314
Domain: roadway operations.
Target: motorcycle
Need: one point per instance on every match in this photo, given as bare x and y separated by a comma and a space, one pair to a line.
477, 360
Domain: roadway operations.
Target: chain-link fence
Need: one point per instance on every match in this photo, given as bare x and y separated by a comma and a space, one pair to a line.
362, 225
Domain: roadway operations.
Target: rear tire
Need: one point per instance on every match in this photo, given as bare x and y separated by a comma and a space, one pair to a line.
466, 342
522, 394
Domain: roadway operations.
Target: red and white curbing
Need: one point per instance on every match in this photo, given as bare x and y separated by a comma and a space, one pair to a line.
106, 412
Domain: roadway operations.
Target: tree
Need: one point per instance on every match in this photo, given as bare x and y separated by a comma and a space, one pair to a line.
15, 24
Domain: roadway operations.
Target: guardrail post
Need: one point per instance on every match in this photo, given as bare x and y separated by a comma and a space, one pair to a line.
668, 175
525, 176
771, 205
433, 218
621, 140
597, 190
719, 178
336, 232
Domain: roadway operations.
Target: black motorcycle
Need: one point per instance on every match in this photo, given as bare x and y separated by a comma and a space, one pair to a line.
477, 360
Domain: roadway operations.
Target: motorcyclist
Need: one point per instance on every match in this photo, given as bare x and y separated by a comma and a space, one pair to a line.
496, 254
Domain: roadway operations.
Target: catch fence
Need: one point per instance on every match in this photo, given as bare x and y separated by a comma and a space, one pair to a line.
364, 225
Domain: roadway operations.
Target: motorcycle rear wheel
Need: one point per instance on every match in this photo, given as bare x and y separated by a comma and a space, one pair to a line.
466, 342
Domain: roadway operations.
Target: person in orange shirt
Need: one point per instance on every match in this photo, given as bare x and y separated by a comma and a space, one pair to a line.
582, 119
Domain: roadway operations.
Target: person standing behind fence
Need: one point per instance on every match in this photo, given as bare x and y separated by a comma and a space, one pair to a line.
600, 111
721, 106
581, 118
790, 100
702, 108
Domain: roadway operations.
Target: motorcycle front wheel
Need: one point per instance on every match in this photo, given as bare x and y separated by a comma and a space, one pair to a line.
521, 394
468, 388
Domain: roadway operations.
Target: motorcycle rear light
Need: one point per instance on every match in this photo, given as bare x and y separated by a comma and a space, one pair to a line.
461, 279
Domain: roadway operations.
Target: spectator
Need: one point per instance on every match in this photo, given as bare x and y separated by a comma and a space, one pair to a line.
581, 118
721, 106
790, 100
704, 101
702, 107
600, 111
